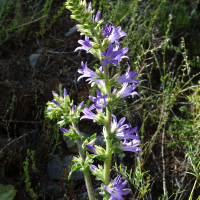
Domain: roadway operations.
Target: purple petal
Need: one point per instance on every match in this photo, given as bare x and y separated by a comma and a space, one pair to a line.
56, 103
64, 130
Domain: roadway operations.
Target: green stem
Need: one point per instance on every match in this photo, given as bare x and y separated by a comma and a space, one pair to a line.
86, 172
193, 189
108, 130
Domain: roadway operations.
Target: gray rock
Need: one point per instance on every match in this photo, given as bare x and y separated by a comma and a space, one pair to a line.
100, 141
84, 195
35, 60
57, 164
71, 31
39, 51
71, 145
54, 189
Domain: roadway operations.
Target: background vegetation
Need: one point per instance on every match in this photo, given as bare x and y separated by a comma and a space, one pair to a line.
164, 48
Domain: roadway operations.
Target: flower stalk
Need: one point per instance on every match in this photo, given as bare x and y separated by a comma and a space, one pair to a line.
102, 43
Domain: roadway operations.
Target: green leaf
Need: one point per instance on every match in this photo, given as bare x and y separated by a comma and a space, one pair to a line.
7, 192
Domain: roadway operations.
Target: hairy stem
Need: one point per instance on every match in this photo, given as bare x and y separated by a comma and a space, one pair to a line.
108, 130
86, 172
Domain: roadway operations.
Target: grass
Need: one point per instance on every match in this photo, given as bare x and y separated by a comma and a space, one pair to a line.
164, 50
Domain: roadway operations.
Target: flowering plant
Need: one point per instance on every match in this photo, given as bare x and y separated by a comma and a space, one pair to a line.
102, 43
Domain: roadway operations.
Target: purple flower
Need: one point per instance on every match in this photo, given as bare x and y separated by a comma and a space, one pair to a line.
91, 148
127, 77
92, 142
93, 168
56, 103
127, 134
131, 146
113, 56
64, 130
73, 109
89, 8
80, 105
107, 30
54, 94
86, 45
116, 191
126, 91
98, 16
100, 101
116, 33
88, 114
86, 72
118, 127
65, 93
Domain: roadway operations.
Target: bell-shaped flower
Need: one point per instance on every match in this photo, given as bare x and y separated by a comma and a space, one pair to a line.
127, 77
88, 114
88, 73
116, 33
118, 127
131, 146
107, 30
86, 45
127, 134
126, 91
99, 101
116, 191
113, 56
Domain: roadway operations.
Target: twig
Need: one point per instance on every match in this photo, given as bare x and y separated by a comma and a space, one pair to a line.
17, 139
163, 162
52, 51
28, 22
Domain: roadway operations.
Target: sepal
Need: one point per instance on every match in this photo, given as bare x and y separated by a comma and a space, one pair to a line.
98, 172
72, 134
80, 164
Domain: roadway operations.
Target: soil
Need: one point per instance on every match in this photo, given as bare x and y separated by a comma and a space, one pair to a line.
24, 92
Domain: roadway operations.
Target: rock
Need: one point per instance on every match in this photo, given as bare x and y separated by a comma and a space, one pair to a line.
71, 145
84, 195
39, 51
100, 141
54, 189
57, 164
35, 60
71, 31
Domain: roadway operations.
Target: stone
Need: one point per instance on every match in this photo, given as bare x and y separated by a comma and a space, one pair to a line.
54, 189
71, 31
56, 166
84, 195
71, 145
35, 60
100, 141
39, 51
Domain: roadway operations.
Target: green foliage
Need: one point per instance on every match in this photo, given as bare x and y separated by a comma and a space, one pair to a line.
7, 192
194, 161
30, 156
46, 27
181, 129
136, 178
